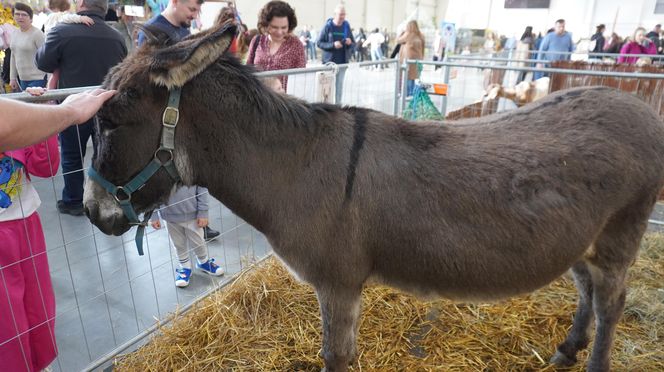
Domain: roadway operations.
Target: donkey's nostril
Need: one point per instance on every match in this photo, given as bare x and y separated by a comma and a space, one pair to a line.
91, 210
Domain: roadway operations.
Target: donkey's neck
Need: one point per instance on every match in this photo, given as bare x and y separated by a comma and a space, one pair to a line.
274, 164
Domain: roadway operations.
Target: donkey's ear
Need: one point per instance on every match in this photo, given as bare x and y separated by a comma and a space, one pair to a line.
175, 65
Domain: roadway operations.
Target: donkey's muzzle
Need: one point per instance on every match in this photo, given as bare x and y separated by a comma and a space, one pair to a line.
109, 225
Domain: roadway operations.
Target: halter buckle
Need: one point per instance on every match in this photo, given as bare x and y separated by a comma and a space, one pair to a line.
170, 117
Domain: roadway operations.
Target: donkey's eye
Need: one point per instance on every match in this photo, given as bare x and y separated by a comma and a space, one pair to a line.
131, 93
105, 123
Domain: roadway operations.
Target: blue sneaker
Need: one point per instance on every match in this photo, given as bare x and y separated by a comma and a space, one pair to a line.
211, 268
182, 279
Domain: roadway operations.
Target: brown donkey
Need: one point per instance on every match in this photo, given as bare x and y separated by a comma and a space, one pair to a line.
347, 195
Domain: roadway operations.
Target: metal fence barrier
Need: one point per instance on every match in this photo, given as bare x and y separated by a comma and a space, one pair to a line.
510, 65
108, 299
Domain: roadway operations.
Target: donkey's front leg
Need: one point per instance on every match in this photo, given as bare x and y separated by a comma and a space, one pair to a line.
340, 311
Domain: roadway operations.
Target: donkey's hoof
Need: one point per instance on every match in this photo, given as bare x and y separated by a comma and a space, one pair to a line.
562, 360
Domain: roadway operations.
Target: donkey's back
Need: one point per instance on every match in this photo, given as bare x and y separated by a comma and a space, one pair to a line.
505, 204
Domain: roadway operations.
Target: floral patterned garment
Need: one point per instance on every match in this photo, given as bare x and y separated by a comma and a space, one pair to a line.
11, 180
18, 197
289, 55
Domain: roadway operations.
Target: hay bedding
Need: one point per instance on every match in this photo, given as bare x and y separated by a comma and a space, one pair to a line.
266, 321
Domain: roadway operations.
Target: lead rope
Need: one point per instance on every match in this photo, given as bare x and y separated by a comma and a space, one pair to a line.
169, 122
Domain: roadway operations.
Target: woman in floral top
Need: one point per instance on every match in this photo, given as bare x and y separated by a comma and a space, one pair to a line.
277, 48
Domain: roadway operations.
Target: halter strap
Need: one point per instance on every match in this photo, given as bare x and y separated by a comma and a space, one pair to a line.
122, 194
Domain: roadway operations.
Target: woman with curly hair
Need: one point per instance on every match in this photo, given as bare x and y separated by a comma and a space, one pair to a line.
275, 47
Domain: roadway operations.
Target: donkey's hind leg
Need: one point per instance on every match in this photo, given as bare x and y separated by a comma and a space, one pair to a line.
579, 335
340, 312
616, 249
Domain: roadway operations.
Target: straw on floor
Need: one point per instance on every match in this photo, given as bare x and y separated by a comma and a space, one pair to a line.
266, 321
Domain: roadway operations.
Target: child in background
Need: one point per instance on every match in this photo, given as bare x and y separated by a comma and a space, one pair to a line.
61, 15
27, 302
274, 84
186, 214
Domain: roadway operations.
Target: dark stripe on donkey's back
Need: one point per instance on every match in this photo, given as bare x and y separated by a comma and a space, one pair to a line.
359, 136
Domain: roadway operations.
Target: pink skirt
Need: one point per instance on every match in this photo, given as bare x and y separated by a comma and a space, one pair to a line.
27, 302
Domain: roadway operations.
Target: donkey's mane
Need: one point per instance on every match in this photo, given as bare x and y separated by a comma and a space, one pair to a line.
282, 109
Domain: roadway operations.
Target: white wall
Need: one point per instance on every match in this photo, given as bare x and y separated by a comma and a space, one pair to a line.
581, 16
360, 13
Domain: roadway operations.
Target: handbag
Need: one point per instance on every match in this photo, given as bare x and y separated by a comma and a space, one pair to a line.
256, 41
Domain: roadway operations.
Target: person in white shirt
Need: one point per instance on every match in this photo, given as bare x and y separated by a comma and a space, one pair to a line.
375, 40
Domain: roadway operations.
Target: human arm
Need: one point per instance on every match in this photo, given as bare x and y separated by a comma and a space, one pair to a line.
155, 221
324, 41
651, 48
48, 55
13, 75
544, 47
202, 208
43, 159
366, 42
623, 51
300, 57
251, 57
350, 39
27, 123
75, 18
402, 38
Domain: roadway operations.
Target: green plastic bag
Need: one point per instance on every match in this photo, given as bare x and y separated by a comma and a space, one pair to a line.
421, 107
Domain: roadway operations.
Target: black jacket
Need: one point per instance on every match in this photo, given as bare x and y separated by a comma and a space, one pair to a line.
599, 40
654, 37
83, 54
5, 66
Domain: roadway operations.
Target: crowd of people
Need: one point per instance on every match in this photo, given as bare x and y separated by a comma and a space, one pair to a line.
557, 44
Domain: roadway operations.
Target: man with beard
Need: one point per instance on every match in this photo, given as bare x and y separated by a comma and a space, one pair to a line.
175, 20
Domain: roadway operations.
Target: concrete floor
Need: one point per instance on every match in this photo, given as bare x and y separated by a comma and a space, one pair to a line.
106, 293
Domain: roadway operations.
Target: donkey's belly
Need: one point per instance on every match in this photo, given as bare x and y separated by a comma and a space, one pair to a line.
472, 277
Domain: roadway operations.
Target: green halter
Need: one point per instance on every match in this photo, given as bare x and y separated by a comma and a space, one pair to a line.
122, 194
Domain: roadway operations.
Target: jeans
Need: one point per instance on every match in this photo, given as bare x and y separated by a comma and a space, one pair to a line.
32, 83
376, 54
410, 86
311, 51
73, 141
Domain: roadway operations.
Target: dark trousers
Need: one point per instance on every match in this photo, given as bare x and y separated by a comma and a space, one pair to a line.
73, 142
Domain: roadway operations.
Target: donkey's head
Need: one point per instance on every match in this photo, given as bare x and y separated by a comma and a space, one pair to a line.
130, 125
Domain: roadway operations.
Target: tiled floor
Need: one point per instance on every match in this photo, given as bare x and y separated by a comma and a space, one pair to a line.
106, 293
